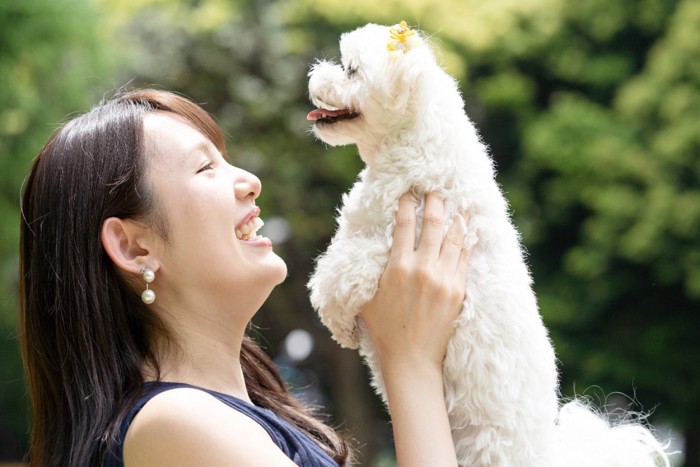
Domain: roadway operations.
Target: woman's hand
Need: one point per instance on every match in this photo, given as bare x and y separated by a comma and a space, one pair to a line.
422, 289
410, 320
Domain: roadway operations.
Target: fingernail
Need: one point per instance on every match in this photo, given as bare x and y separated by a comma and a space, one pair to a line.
462, 223
409, 196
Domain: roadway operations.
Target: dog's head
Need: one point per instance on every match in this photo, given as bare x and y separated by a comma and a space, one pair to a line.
377, 88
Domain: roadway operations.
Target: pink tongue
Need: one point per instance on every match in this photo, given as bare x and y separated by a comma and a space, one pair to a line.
321, 113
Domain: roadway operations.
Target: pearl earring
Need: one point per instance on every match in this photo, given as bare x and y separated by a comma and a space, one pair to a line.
148, 296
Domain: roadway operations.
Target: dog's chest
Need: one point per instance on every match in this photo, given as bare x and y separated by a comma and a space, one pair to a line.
369, 209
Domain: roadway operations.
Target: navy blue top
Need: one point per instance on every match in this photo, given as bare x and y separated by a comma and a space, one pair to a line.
296, 445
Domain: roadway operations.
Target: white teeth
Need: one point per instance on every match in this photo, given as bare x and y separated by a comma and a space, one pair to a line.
249, 230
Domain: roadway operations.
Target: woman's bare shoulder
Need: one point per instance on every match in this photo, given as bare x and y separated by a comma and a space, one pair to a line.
186, 426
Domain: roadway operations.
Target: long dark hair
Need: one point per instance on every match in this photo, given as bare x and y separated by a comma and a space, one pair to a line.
85, 334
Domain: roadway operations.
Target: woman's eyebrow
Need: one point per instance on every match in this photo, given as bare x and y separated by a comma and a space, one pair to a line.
203, 146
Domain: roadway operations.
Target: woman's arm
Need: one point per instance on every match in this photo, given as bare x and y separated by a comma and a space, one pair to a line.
410, 320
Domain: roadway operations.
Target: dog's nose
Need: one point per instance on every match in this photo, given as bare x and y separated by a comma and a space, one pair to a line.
325, 85
324, 74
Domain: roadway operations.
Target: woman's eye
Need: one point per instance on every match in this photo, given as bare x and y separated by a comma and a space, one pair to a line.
209, 166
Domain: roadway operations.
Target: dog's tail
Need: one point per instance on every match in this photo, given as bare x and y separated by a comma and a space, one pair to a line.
587, 438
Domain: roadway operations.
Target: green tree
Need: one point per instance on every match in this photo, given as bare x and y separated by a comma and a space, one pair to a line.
613, 164
51, 62
606, 180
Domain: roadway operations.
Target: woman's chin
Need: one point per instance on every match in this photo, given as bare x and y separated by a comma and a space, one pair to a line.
281, 270
272, 269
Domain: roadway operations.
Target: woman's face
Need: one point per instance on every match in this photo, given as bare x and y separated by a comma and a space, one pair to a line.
212, 255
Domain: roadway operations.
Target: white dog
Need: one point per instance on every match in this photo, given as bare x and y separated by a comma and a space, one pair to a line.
405, 114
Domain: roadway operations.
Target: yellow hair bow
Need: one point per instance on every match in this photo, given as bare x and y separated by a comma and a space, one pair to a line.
398, 38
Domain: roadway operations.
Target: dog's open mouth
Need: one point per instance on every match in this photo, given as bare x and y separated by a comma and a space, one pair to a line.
331, 116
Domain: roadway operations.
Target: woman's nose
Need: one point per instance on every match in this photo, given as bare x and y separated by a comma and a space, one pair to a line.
247, 185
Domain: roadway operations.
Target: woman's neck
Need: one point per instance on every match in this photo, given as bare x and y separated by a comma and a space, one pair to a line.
204, 353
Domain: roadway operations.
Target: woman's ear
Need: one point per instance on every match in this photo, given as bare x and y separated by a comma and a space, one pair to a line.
127, 244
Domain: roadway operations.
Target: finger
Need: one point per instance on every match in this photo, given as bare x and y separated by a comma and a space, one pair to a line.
433, 221
463, 265
405, 226
453, 244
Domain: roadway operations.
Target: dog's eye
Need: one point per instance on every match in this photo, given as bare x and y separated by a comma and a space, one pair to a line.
350, 71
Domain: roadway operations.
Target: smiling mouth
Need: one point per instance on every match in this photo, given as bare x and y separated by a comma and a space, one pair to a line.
249, 230
331, 116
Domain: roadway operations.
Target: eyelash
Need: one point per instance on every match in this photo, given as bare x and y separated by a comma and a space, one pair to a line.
206, 167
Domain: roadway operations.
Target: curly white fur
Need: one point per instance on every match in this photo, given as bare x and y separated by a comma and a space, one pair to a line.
406, 116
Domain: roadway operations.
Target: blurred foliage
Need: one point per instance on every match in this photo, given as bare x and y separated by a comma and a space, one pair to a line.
591, 110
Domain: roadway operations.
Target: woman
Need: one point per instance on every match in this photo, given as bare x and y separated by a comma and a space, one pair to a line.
140, 270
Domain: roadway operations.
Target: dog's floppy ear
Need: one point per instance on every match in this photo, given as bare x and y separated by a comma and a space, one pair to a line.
406, 64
